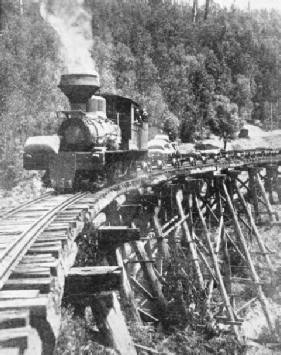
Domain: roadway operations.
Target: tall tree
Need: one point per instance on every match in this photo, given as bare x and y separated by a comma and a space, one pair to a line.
226, 121
194, 10
207, 7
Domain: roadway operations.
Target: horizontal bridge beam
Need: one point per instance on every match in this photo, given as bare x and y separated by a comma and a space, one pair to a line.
117, 235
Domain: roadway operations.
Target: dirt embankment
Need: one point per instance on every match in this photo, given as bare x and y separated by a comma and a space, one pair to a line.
257, 139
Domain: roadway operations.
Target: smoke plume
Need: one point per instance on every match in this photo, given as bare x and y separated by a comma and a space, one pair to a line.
73, 25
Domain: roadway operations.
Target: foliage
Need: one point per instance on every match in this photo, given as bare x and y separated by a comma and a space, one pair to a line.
212, 75
232, 54
170, 126
75, 336
29, 68
226, 121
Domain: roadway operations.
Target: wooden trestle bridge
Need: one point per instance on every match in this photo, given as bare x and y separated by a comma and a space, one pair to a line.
202, 215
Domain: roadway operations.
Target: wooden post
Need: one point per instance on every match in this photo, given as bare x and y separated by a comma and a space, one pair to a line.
190, 213
111, 323
264, 195
217, 184
208, 267
208, 195
254, 227
126, 292
153, 281
230, 239
249, 261
223, 292
253, 189
217, 248
178, 296
162, 245
189, 240
268, 181
230, 186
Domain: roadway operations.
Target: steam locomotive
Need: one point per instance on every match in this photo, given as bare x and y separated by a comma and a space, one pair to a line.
103, 138
100, 139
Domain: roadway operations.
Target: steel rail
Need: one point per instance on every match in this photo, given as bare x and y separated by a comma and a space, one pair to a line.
12, 255
23, 205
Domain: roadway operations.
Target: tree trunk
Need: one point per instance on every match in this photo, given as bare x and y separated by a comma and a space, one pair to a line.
207, 6
1, 16
194, 10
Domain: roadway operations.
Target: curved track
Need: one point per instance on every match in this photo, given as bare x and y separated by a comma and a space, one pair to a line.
34, 237
23, 205
21, 227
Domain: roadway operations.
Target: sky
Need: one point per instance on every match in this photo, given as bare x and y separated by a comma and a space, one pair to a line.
243, 4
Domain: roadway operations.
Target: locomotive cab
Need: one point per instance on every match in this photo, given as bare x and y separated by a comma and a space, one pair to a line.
132, 121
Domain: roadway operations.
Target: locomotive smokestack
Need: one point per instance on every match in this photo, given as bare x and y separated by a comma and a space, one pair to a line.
79, 88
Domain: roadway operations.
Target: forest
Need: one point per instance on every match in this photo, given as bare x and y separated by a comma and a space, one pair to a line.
195, 75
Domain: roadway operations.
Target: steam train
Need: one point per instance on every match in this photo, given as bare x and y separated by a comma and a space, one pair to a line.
102, 137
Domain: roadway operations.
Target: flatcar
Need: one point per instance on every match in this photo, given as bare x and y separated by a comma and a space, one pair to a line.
102, 138
158, 153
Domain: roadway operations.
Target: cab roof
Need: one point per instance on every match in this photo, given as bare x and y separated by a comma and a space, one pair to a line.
119, 98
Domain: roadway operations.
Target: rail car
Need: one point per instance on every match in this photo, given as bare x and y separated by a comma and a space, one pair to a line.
160, 153
204, 156
102, 138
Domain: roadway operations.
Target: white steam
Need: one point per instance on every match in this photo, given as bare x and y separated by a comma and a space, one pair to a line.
73, 25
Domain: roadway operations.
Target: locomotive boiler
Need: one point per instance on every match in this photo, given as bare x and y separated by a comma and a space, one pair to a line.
102, 137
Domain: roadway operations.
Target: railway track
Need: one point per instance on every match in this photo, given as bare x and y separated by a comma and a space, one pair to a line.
33, 238
21, 227
23, 205
37, 248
